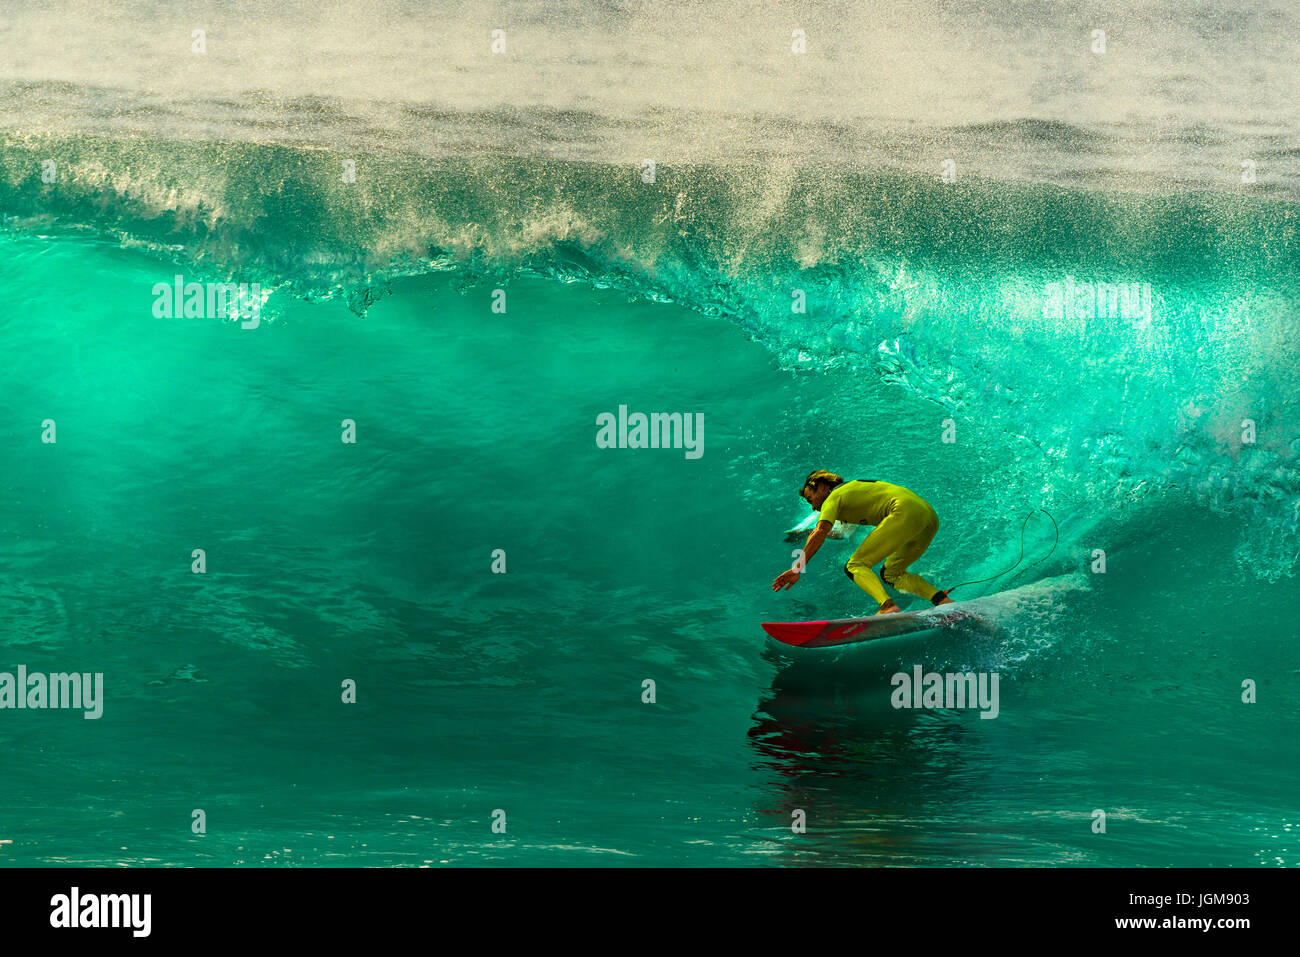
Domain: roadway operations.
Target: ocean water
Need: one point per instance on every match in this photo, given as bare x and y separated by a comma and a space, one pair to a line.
464, 254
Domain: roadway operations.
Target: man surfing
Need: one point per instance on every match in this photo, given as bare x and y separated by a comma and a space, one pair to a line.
904, 524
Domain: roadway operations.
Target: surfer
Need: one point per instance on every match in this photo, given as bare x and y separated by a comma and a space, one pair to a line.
904, 524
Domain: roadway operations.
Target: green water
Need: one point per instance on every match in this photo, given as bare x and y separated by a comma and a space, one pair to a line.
522, 691
835, 256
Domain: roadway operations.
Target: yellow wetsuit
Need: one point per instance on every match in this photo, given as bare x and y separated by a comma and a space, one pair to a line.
904, 524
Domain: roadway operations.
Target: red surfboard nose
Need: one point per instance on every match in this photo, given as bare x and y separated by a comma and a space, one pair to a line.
794, 632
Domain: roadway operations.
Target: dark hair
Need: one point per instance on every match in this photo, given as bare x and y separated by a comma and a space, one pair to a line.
821, 477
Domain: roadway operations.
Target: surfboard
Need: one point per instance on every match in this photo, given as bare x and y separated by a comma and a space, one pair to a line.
849, 631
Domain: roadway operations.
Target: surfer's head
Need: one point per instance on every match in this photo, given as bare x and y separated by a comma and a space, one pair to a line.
817, 486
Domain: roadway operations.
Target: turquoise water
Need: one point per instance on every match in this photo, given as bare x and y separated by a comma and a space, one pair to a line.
522, 691
376, 561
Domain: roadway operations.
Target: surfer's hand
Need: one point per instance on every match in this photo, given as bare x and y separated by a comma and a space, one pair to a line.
785, 579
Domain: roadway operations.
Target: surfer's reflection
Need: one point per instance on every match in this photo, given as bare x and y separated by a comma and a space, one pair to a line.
868, 776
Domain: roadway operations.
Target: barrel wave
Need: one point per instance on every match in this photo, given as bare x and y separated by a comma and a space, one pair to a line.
363, 572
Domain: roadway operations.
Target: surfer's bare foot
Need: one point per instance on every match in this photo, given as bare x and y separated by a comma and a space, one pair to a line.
888, 608
947, 601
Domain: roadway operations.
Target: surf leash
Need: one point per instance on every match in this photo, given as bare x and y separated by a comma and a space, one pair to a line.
940, 596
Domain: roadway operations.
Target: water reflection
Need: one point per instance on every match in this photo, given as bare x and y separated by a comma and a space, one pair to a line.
888, 782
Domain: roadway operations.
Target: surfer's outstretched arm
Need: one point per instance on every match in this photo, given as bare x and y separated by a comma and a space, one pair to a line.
815, 539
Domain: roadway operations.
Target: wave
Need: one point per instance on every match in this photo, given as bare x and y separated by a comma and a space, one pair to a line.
993, 300
290, 208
